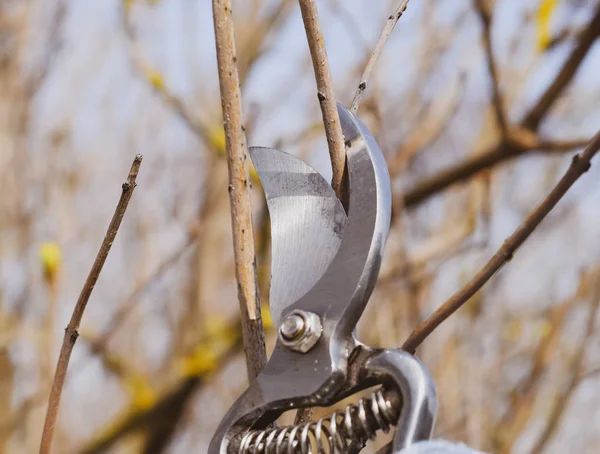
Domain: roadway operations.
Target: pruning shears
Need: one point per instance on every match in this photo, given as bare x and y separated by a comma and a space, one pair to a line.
325, 263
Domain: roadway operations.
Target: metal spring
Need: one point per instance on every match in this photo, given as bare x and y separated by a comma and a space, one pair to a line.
351, 427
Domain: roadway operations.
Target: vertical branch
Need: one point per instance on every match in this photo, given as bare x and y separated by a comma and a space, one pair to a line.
325, 93
497, 102
72, 330
385, 34
239, 188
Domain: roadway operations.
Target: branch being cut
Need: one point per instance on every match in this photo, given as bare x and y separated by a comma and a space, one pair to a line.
497, 102
326, 95
71, 332
580, 164
239, 189
385, 34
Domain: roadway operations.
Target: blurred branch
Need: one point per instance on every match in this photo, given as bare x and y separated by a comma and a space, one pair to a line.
252, 48
565, 75
161, 418
71, 332
167, 410
560, 145
352, 26
432, 124
326, 95
513, 146
522, 398
497, 102
576, 376
490, 158
54, 44
121, 315
156, 81
579, 165
7, 385
385, 34
239, 189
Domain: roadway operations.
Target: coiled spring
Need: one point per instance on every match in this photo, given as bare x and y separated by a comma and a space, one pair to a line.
352, 426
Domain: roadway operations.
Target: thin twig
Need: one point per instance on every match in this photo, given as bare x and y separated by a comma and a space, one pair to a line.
391, 22
71, 332
239, 189
579, 165
497, 102
326, 95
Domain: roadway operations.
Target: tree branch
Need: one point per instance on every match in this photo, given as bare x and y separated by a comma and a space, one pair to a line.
579, 165
497, 101
71, 332
385, 34
510, 148
490, 158
326, 95
537, 113
239, 189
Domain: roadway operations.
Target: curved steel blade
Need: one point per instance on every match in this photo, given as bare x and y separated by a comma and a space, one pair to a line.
307, 222
291, 379
341, 295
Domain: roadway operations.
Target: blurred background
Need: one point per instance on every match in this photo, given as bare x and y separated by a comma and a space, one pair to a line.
85, 85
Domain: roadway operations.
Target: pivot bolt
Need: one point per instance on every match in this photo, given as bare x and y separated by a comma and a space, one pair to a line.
293, 327
300, 330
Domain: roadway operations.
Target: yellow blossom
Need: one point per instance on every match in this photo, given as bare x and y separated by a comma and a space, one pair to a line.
266, 317
216, 137
155, 78
50, 256
544, 15
201, 362
142, 394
